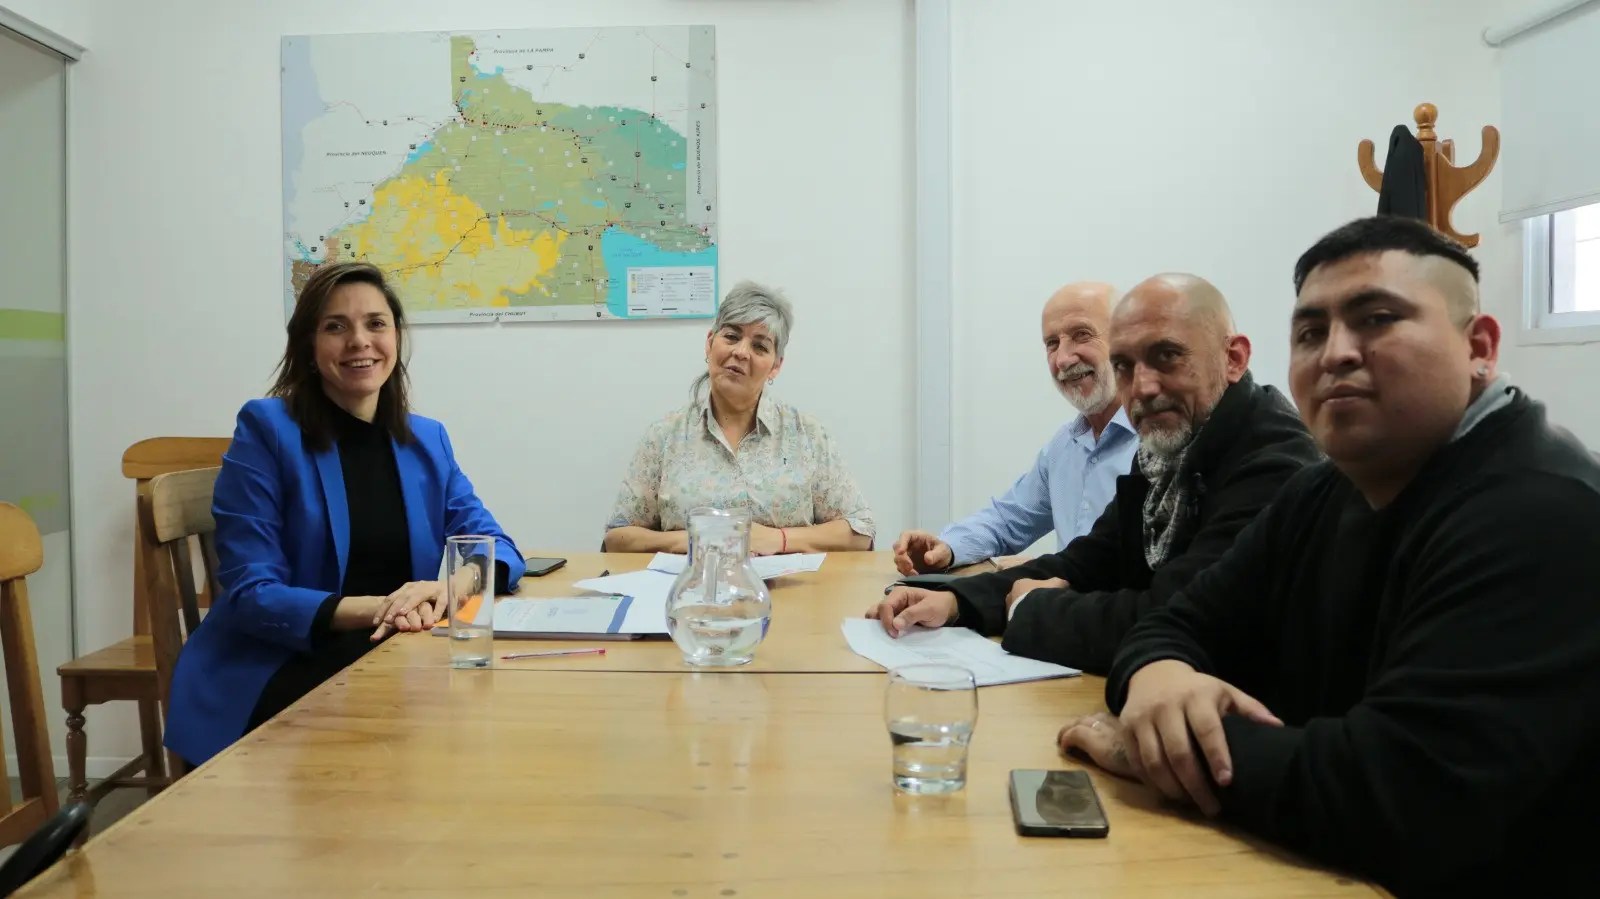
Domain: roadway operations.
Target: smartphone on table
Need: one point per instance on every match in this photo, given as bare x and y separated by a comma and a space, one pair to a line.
925, 581
1056, 804
537, 567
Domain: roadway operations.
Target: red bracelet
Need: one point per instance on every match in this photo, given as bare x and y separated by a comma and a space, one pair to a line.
784, 533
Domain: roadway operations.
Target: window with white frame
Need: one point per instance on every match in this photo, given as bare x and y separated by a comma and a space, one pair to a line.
1563, 269
1550, 171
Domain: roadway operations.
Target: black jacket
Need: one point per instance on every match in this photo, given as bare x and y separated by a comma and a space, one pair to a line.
1253, 442
1405, 182
1435, 663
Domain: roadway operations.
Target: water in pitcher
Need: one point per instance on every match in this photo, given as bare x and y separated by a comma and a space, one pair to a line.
718, 635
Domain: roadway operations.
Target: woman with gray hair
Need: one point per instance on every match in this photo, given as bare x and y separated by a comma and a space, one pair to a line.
736, 446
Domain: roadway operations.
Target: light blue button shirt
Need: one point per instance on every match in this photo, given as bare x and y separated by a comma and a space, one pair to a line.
1070, 484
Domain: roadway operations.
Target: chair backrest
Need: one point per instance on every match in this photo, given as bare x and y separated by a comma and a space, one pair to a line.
22, 554
44, 848
160, 455
175, 508
149, 458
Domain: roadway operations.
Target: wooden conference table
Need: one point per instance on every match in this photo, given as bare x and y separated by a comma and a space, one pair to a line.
629, 775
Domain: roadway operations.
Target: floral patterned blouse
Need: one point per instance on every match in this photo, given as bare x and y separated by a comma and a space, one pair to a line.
786, 471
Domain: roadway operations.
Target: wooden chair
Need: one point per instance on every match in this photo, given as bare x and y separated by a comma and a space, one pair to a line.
126, 670
176, 508
22, 554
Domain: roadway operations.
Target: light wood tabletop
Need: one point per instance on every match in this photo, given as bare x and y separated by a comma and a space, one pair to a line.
432, 782
402, 776
806, 613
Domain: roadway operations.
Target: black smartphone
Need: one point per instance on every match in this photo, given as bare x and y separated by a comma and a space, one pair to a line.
537, 567
1056, 804
926, 581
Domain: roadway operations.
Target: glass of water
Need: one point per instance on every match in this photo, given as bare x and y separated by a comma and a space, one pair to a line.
469, 579
930, 710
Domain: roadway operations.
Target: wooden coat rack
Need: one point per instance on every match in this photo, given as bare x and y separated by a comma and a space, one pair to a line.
1447, 183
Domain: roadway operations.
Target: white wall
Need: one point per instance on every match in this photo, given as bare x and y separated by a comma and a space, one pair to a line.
176, 277
1114, 141
72, 19
1563, 377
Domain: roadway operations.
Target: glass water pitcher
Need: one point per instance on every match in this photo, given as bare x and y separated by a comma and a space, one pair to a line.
718, 609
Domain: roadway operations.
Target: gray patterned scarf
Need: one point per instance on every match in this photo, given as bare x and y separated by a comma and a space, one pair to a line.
1169, 505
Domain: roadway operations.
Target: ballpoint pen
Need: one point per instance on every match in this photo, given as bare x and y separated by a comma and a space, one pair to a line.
554, 652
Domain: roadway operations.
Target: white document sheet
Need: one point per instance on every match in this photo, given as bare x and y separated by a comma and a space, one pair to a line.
989, 664
561, 615
766, 567
555, 618
647, 614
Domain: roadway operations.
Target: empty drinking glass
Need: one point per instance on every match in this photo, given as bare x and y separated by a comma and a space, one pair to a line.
931, 711
469, 580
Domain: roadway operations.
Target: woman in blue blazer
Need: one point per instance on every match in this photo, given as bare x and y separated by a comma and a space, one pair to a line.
332, 509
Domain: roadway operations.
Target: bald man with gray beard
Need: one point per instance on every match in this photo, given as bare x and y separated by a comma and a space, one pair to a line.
1073, 476
1214, 448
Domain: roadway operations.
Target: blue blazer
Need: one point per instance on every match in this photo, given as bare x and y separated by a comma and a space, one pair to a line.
283, 539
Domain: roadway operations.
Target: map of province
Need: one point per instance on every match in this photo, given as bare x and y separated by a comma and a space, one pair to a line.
515, 175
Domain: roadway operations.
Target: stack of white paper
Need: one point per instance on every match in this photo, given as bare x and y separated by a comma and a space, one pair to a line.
989, 664
554, 617
766, 567
562, 616
647, 614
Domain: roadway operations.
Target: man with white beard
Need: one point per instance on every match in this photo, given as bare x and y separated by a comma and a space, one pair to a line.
1214, 448
1074, 475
